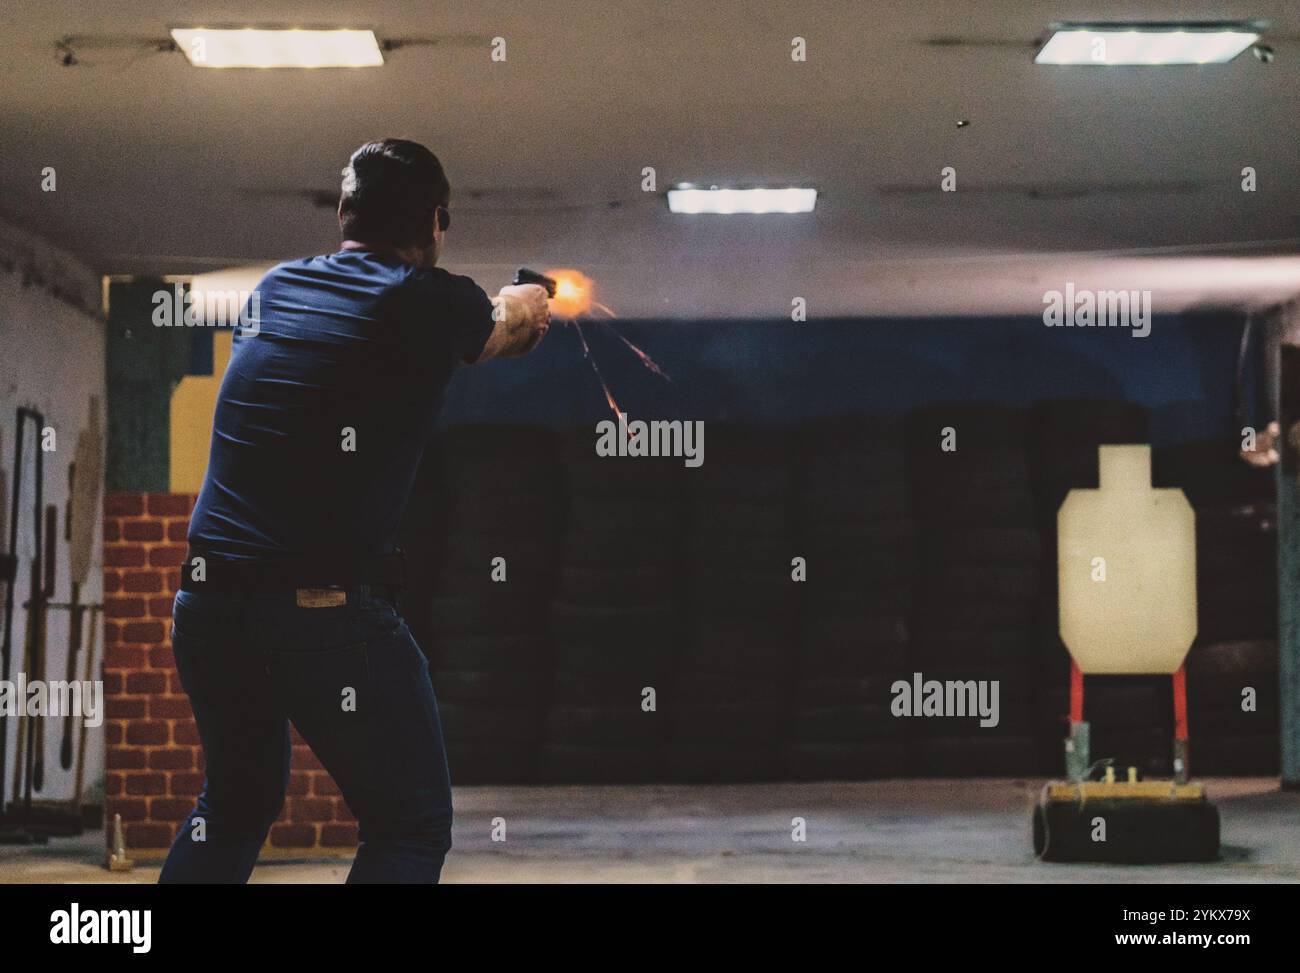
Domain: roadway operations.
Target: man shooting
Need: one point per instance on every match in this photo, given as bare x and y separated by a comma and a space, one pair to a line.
288, 610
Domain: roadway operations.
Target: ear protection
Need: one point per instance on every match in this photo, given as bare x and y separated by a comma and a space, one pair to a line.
444, 218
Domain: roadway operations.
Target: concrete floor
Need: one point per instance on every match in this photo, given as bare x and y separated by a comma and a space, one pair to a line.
879, 831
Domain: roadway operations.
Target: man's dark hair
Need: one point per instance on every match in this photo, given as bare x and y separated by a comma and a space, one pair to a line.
391, 188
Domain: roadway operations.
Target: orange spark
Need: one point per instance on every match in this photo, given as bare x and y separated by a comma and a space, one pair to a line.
646, 360
609, 396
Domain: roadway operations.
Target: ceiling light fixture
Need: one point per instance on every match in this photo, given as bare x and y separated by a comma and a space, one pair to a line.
256, 48
1147, 43
754, 201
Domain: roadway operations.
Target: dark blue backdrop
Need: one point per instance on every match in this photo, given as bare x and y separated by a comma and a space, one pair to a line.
774, 372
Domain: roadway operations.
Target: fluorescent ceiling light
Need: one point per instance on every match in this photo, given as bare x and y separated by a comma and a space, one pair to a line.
689, 199
1150, 44
250, 48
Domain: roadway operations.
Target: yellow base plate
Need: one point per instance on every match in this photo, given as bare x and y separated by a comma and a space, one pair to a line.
1142, 790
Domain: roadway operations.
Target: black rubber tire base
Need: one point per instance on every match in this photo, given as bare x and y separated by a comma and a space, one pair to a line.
1136, 833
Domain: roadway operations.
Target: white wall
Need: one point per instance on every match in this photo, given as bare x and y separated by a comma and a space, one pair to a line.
52, 360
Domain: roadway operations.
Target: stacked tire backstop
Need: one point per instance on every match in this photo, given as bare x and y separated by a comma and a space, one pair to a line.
596, 619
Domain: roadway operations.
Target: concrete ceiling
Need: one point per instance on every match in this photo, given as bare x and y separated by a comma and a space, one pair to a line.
1096, 175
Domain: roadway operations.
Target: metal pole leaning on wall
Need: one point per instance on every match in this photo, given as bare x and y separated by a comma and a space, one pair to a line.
10, 834
6, 647
1288, 545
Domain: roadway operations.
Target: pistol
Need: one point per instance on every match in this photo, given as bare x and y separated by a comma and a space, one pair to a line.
525, 276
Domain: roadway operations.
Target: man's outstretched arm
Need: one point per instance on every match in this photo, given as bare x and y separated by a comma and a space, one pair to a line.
522, 319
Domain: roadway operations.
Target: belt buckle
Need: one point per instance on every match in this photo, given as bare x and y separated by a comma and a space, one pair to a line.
320, 597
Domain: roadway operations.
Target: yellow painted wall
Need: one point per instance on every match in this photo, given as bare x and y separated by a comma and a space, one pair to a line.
193, 404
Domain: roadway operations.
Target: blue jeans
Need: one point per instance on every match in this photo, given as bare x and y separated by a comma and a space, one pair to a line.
356, 686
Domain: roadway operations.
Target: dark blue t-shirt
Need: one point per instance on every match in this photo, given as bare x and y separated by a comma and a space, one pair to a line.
352, 349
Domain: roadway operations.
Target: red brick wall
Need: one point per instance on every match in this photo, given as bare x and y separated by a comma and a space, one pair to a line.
154, 761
